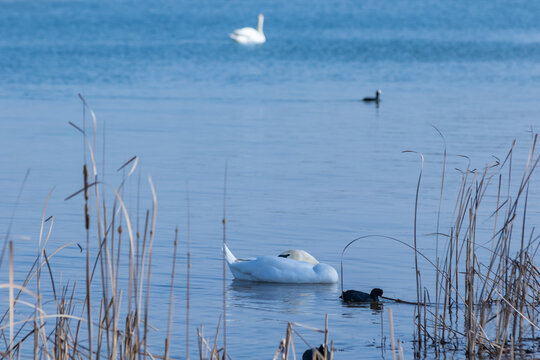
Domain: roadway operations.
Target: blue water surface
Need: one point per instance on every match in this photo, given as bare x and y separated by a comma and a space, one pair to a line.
309, 165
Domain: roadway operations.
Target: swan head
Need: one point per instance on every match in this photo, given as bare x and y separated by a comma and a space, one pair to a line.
260, 23
299, 255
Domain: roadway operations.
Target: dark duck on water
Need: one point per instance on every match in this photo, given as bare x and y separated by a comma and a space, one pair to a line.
316, 354
375, 99
353, 296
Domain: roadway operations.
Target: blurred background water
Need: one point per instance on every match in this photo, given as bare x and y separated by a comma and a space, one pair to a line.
310, 166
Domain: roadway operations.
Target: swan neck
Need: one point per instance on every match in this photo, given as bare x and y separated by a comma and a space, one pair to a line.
260, 24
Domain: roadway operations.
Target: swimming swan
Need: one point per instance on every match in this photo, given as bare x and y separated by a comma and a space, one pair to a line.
292, 266
249, 35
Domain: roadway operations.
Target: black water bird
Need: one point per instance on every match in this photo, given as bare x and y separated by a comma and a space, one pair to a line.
311, 354
353, 296
375, 99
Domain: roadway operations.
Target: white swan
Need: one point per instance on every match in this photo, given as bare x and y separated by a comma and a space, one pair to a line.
292, 266
249, 35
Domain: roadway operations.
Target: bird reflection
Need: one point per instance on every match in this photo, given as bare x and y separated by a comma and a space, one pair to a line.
375, 306
297, 295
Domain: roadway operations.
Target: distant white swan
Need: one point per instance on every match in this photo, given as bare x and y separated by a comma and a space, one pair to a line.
292, 266
249, 35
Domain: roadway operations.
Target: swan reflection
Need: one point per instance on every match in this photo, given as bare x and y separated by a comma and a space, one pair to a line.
287, 297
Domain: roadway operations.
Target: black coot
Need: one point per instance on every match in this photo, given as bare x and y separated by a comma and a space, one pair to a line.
359, 296
373, 99
308, 354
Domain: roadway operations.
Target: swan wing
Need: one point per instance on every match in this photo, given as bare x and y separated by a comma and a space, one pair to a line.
247, 31
229, 256
247, 35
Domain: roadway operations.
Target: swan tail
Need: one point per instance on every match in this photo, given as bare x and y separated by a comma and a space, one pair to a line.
229, 255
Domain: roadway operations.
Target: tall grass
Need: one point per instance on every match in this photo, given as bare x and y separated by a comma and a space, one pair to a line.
489, 295
487, 290
112, 322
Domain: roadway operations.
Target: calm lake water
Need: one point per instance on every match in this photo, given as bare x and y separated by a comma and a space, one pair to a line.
310, 166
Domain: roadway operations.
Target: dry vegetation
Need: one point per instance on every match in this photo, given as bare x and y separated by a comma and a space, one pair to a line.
486, 297
487, 292
103, 326
486, 300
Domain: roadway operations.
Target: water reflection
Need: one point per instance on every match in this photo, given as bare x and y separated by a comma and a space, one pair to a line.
376, 306
287, 297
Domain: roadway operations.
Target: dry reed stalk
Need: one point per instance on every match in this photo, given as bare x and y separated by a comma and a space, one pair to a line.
292, 346
288, 337
188, 272
391, 320
224, 264
204, 346
436, 330
87, 227
11, 301
41, 246
88, 283
331, 349
417, 272
280, 348
200, 335
326, 336
171, 304
141, 267
131, 281
100, 329
12, 218
114, 272
215, 350
149, 274
97, 198
400, 351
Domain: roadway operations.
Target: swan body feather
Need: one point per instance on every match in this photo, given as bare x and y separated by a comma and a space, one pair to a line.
279, 269
249, 35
